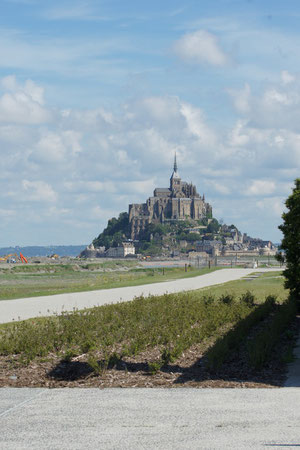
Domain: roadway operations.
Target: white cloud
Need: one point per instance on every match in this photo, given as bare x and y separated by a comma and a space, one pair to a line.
161, 109
273, 96
273, 206
196, 124
123, 159
142, 187
9, 83
22, 104
261, 188
50, 148
287, 77
90, 186
56, 147
102, 213
237, 136
241, 98
201, 47
38, 191
93, 163
7, 213
219, 187
273, 106
56, 213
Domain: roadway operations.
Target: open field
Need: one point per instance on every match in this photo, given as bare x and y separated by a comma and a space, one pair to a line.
18, 281
260, 284
198, 338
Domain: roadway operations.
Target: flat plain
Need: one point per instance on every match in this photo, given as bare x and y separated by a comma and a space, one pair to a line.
33, 280
198, 339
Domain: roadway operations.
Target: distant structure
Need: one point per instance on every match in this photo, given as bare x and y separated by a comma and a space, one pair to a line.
178, 202
124, 250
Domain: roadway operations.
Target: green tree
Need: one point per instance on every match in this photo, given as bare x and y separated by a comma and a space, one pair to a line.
213, 226
291, 241
115, 232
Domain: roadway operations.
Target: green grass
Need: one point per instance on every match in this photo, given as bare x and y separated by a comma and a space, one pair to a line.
71, 267
270, 283
172, 323
32, 281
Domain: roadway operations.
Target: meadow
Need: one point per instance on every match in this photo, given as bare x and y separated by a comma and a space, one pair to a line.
160, 330
21, 281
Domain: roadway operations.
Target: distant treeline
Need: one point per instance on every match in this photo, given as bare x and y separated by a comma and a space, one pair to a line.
61, 250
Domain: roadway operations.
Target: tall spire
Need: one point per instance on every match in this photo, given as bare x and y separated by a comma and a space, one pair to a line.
175, 164
175, 177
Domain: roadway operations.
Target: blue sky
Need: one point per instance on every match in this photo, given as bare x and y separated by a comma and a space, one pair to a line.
96, 96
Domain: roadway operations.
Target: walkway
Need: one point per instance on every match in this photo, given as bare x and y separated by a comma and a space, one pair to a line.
72, 419
26, 308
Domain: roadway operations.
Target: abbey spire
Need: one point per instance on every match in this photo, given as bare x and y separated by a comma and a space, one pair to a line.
175, 164
175, 180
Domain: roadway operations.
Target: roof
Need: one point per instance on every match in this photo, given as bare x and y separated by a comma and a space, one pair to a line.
162, 189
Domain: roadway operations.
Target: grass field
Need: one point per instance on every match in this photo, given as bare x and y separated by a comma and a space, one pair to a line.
172, 322
36, 280
259, 284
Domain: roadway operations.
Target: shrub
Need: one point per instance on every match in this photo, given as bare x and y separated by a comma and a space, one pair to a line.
248, 298
260, 349
291, 241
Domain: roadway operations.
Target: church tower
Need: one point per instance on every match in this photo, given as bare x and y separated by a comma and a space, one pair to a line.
175, 180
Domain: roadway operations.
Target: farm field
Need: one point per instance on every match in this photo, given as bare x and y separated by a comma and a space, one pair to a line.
205, 338
18, 281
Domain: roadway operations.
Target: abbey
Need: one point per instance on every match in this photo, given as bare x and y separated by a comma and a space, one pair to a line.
178, 202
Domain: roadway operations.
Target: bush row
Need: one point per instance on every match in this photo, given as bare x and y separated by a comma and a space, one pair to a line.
172, 321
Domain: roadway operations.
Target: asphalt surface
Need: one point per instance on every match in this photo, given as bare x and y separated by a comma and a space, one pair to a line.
293, 375
26, 308
149, 418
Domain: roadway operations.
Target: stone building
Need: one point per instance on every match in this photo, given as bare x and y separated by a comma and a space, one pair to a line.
92, 252
123, 250
178, 202
212, 247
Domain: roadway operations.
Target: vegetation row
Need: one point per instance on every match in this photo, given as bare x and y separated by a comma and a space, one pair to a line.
172, 323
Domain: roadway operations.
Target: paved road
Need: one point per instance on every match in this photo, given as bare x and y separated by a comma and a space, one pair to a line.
48, 305
149, 419
293, 375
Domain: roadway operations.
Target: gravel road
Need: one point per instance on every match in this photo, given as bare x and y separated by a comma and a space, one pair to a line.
26, 308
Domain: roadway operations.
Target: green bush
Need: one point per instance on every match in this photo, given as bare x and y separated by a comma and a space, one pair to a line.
291, 241
232, 340
260, 348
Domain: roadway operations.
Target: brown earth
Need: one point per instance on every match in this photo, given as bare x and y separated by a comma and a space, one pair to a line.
188, 371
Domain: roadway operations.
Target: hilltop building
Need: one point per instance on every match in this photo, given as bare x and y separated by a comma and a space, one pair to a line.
180, 201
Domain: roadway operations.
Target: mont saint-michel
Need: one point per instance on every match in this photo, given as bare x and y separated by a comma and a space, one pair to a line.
180, 201
175, 220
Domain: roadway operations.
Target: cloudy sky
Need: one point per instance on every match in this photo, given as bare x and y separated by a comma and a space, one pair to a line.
97, 95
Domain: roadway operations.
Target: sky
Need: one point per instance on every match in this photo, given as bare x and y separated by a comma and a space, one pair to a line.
97, 96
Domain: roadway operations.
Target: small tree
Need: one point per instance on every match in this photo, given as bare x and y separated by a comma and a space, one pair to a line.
291, 241
213, 226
